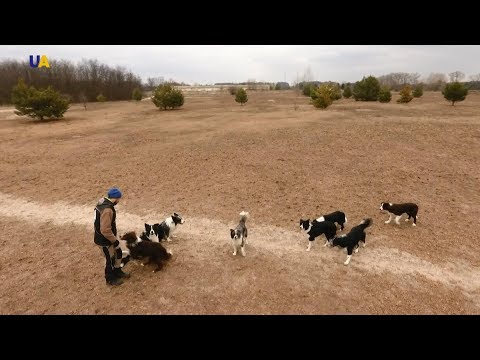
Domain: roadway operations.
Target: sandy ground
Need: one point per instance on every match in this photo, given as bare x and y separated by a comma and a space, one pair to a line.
214, 158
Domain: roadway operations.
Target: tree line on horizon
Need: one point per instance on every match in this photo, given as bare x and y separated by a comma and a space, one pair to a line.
371, 89
82, 82
397, 81
51, 90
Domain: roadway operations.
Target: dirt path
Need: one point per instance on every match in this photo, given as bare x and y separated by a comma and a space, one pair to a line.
282, 243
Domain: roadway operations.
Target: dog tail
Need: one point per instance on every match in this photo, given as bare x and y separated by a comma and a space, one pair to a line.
244, 216
366, 223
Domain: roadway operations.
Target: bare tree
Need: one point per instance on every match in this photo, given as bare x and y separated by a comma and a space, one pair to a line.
413, 78
150, 83
398, 80
385, 80
404, 78
435, 78
475, 77
435, 81
456, 76
307, 75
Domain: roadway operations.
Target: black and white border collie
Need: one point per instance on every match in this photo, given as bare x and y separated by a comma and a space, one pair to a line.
410, 209
352, 239
153, 251
338, 217
168, 226
150, 233
239, 234
317, 228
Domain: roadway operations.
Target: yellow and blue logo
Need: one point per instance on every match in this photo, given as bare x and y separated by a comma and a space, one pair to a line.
41, 62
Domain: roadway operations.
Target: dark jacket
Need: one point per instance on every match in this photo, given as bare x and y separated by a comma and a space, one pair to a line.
105, 225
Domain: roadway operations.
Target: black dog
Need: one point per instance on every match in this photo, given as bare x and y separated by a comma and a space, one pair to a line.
410, 209
338, 217
317, 228
352, 239
154, 251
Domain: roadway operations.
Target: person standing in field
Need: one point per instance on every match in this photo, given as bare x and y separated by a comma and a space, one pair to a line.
106, 236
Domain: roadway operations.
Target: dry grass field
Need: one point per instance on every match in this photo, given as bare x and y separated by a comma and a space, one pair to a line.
214, 158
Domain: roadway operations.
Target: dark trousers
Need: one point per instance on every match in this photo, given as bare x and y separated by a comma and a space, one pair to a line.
113, 257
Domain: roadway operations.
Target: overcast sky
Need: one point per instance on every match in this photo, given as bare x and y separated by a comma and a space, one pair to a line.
271, 63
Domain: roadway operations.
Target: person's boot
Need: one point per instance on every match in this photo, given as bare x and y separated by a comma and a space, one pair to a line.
120, 274
114, 281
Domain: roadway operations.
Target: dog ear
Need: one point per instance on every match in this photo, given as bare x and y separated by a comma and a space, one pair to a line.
232, 233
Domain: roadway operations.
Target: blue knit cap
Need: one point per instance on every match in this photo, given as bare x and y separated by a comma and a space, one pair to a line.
114, 193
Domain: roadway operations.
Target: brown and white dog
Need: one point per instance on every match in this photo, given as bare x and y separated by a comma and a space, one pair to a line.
154, 251
410, 209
